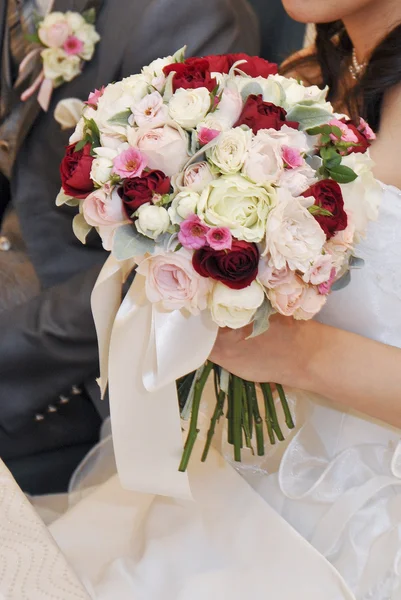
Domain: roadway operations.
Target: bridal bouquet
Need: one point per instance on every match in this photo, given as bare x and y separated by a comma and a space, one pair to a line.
236, 192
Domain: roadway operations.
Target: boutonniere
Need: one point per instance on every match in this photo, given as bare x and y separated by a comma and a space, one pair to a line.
65, 41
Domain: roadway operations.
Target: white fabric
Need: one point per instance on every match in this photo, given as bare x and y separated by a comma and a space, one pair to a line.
337, 481
31, 565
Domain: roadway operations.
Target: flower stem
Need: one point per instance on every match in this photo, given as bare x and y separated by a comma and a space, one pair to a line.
269, 402
218, 412
246, 419
288, 417
230, 436
193, 430
253, 400
236, 417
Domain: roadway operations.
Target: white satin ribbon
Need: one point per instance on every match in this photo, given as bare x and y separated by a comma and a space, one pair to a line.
143, 350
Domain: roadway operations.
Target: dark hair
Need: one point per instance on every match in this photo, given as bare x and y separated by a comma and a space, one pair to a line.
333, 49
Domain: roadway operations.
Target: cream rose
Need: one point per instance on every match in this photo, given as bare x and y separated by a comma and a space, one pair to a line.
297, 180
195, 177
152, 220
183, 205
235, 308
264, 163
286, 297
311, 303
232, 201
89, 36
150, 111
189, 107
172, 281
74, 20
102, 166
58, 65
230, 151
296, 92
166, 148
293, 236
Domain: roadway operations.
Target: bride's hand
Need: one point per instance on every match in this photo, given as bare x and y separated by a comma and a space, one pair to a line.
279, 355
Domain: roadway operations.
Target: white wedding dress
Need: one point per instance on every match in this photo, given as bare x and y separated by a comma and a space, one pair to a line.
319, 517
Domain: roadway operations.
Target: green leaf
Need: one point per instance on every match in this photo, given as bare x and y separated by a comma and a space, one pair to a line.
336, 131
80, 145
355, 262
168, 88
92, 128
128, 242
120, 118
253, 87
90, 16
179, 56
330, 157
342, 174
325, 139
316, 210
261, 319
80, 228
33, 38
62, 198
342, 282
309, 115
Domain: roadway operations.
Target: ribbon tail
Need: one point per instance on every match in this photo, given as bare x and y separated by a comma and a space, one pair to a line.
105, 301
45, 94
32, 89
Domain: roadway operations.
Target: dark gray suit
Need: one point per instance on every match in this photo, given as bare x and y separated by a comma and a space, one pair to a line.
48, 343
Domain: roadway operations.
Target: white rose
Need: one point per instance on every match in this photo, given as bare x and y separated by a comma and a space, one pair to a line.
229, 108
235, 308
270, 89
57, 64
298, 180
264, 163
152, 220
232, 201
363, 196
75, 20
135, 86
113, 101
230, 151
68, 112
195, 177
293, 236
189, 107
154, 72
183, 205
296, 92
101, 170
166, 148
89, 36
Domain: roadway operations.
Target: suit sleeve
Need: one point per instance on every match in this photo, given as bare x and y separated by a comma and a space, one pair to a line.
47, 345
204, 26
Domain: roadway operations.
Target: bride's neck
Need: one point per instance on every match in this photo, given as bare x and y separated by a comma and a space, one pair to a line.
366, 27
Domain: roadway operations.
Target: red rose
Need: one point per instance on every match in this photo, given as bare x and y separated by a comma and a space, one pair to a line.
193, 73
75, 172
139, 190
328, 196
255, 66
258, 114
363, 142
236, 268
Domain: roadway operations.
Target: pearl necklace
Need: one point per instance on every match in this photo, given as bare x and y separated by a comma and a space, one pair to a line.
355, 68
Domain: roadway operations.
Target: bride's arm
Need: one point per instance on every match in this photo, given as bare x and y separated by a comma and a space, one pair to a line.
354, 371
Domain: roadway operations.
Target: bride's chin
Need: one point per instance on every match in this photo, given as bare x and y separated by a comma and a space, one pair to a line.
322, 11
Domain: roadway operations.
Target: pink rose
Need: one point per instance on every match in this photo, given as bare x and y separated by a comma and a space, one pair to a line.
286, 297
172, 281
347, 135
219, 238
192, 233
207, 135
55, 35
166, 148
106, 213
367, 131
94, 97
292, 157
195, 177
271, 277
325, 288
310, 304
129, 163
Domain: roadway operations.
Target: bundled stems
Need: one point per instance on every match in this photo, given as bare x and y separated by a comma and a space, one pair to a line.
270, 409
253, 401
193, 430
218, 412
288, 417
236, 417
